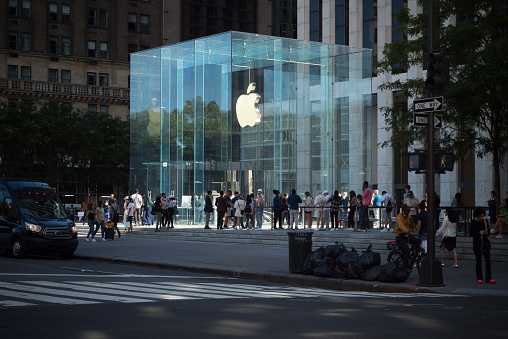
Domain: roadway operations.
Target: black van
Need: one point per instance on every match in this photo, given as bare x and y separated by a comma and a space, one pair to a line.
33, 220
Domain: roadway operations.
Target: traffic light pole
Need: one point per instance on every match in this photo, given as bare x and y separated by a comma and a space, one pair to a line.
431, 273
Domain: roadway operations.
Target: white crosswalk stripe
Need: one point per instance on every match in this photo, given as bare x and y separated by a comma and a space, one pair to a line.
33, 293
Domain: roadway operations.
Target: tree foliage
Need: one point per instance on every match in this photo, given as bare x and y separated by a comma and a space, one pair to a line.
50, 141
474, 34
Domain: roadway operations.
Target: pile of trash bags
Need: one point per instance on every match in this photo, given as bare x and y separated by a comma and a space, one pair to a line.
337, 262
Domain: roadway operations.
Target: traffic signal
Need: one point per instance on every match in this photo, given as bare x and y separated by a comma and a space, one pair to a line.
416, 161
438, 71
444, 161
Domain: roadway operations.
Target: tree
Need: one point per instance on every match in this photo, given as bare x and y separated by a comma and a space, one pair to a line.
476, 114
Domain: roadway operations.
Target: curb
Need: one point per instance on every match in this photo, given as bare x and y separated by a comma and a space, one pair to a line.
289, 279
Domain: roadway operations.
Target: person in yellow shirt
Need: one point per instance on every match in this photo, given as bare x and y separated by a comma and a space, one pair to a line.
403, 236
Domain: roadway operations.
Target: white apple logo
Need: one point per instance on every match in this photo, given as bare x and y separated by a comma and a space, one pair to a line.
247, 111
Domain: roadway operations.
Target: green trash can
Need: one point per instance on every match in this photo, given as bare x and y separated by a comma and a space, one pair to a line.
300, 245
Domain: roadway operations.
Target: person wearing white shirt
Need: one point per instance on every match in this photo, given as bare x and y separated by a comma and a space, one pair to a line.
138, 203
130, 214
448, 231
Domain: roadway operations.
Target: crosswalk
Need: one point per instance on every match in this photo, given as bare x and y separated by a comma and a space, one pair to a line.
26, 293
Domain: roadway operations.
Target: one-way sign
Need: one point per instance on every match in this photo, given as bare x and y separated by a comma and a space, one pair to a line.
428, 105
420, 120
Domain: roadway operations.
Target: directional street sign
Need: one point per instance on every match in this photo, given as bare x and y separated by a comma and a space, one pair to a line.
420, 120
428, 105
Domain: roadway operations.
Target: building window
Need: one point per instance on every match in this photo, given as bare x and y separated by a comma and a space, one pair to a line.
90, 49
103, 80
65, 76
131, 49
66, 46
12, 71
12, 40
92, 107
103, 50
398, 36
284, 19
144, 24
66, 14
132, 22
13, 7
91, 79
26, 73
104, 18
105, 109
316, 30
370, 29
342, 22
91, 15
26, 42
26, 9
52, 75
53, 45
53, 11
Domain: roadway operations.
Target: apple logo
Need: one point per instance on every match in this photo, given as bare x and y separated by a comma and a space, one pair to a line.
247, 111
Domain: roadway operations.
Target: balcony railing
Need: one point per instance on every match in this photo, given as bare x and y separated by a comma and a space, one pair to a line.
32, 87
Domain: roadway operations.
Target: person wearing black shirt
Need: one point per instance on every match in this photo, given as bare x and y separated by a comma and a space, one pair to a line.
481, 245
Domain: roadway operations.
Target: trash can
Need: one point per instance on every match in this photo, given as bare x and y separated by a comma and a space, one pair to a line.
300, 245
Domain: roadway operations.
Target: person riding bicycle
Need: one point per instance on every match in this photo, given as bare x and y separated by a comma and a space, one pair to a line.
403, 234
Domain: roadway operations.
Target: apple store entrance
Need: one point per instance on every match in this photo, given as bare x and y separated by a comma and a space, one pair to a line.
245, 112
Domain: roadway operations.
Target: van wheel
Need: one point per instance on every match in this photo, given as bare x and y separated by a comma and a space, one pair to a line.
18, 249
66, 255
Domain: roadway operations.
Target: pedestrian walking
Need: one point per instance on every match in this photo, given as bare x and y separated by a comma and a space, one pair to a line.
448, 231
130, 216
170, 211
249, 212
100, 219
481, 245
157, 212
208, 208
137, 200
229, 210
114, 215
90, 219
260, 205
387, 202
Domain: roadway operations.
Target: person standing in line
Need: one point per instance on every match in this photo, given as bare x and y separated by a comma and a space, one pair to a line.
171, 212
138, 203
221, 205
352, 210
421, 220
260, 205
164, 210
326, 210
125, 204
233, 211
502, 219
334, 210
277, 210
100, 220
144, 209
90, 219
239, 207
156, 209
345, 207
309, 203
293, 201
130, 214
413, 203
285, 212
367, 199
387, 202
492, 207
406, 189
114, 216
319, 204
229, 209
376, 203
208, 208
249, 212
448, 231
359, 205
481, 245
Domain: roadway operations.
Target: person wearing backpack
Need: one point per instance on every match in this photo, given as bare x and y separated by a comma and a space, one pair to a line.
387, 202
114, 216
249, 212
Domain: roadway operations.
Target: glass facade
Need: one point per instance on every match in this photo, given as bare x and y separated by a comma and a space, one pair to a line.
244, 111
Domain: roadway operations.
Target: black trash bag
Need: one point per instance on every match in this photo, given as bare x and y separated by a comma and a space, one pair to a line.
353, 272
333, 251
325, 268
312, 260
338, 273
344, 258
390, 272
368, 259
371, 273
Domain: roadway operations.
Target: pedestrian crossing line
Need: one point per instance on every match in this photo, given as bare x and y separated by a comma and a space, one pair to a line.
152, 291
91, 295
227, 290
111, 289
14, 303
45, 298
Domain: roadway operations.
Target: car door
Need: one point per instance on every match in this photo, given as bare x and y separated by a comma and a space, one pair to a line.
9, 219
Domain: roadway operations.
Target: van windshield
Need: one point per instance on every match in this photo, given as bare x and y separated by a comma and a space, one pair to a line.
39, 203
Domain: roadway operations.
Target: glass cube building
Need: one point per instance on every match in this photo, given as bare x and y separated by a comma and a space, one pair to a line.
246, 112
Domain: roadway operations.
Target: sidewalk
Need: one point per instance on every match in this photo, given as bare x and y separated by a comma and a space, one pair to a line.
271, 263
